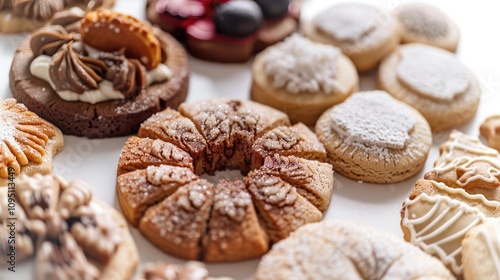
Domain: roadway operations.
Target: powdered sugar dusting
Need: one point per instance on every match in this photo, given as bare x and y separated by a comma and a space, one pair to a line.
424, 20
300, 65
433, 72
373, 118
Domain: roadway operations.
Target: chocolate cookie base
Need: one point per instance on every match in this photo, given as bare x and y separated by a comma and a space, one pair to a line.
105, 119
272, 32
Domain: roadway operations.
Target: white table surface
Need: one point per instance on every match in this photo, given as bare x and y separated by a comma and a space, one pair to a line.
95, 161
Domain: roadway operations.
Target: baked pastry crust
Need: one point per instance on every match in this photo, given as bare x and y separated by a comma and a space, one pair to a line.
490, 130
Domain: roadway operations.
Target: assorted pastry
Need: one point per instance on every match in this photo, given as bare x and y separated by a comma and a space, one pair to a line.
28, 143
286, 183
433, 81
363, 32
374, 138
27, 15
302, 78
227, 30
103, 80
68, 233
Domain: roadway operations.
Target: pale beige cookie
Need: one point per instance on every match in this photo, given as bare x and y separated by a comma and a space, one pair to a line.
192, 270
27, 15
28, 143
302, 78
433, 81
436, 218
72, 234
374, 138
481, 251
427, 24
346, 250
466, 163
490, 130
364, 33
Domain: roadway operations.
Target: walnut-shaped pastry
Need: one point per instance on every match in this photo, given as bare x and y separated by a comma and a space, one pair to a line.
287, 184
70, 234
490, 130
27, 142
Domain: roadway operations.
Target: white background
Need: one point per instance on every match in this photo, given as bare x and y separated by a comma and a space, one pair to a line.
95, 161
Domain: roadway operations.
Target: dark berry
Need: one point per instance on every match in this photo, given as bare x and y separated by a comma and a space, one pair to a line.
238, 18
273, 8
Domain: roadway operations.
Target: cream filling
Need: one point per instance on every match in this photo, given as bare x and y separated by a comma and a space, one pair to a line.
40, 69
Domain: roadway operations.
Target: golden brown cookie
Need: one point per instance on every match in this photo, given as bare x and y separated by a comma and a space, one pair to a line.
374, 138
28, 143
347, 250
302, 78
433, 81
70, 234
427, 24
364, 33
490, 130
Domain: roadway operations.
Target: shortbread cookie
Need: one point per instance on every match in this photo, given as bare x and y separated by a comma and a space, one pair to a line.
347, 250
70, 234
374, 138
490, 130
466, 163
190, 271
436, 218
302, 78
160, 191
28, 143
481, 251
433, 81
427, 24
103, 80
364, 33
225, 31
28, 15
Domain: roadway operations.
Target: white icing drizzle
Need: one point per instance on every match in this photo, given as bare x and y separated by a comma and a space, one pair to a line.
462, 192
373, 118
490, 238
40, 68
348, 22
300, 65
432, 72
451, 254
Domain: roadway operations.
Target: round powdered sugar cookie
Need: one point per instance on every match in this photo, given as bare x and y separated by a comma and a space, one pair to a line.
374, 138
433, 81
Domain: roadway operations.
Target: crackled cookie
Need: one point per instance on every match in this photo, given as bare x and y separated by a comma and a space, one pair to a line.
28, 143
437, 217
427, 24
466, 163
192, 270
347, 250
364, 33
481, 251
103, 80
225, 31
433, 81
490, 130
302, 78
374, 138
160, 190
28, 15
69, 234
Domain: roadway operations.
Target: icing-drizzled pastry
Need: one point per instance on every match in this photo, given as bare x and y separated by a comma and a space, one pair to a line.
161, 193
364, 33
374, 138
67, 231
427, 24
490, 130
433, 81
99, 75
302, 78
346, 250
28, 143
27, 15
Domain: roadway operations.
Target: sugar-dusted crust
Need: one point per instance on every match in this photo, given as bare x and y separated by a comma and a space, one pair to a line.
347, 250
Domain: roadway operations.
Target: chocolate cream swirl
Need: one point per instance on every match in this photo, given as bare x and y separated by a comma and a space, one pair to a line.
48, 40
70, 70
37, 9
